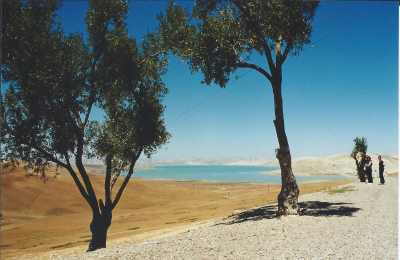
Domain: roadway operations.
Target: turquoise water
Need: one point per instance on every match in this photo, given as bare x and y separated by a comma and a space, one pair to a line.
222, 173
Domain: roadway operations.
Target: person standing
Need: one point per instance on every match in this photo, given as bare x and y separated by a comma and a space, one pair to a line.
368, 167
381, 170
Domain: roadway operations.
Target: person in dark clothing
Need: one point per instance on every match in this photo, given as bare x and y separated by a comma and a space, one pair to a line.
368, 169
381, 170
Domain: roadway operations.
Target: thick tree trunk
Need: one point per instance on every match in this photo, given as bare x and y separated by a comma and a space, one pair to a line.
360, 170
288, 197
361, 174
99, 227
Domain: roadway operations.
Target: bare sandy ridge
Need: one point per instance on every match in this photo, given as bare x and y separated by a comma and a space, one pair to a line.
340, 164
361, 223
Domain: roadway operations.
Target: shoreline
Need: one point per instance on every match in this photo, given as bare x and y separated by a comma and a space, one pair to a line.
252, 175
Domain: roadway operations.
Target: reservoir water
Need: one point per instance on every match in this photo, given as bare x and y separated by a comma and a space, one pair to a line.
222, 173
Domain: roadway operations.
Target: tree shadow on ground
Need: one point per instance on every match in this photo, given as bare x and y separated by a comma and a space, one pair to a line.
307, 208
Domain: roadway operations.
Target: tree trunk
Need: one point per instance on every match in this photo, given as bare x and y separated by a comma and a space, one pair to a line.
99, 227
288, 197
360, 170
360, 167
361, 174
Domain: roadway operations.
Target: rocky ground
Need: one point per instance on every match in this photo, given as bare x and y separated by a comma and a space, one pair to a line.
354, 221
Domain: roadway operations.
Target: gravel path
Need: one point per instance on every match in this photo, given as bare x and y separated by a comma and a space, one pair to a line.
361, 223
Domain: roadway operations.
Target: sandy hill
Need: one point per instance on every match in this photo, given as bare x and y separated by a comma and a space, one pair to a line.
32, 196
340, 164
261, 161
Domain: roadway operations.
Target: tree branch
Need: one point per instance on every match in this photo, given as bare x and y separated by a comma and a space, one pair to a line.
114, 180
92, 200
90, 105
149, 57
75, 177
107, 188
258, 31
288, 48
92, 98
55, 160
127, 178
255, 67
78, 119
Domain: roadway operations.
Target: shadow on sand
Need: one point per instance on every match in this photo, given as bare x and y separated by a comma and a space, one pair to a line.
308, 208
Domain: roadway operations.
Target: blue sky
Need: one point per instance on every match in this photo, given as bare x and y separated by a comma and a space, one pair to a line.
345, 86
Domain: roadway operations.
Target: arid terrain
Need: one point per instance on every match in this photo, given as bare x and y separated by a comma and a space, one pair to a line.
352, 221
340, 164
39, 217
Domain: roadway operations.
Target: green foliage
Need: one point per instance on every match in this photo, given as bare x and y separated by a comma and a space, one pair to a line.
59, 246
133, 228
57, 80
358, 153
45, 70
360, 146
219, 36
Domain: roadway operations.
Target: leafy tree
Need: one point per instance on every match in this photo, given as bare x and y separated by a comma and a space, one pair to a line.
358, 154
219, 37
55, 81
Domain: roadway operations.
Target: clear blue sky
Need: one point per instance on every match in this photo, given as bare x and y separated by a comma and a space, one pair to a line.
345, 86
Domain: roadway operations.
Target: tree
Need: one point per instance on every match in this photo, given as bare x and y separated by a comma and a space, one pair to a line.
220, 36
358, 154
55, 81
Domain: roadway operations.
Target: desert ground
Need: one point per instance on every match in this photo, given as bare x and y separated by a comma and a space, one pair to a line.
353, 221
40, 217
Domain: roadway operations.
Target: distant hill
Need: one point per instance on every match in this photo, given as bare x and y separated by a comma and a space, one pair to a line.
339, 164
262, 161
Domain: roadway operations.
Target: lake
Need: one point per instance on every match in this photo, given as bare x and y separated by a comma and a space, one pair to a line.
222, 173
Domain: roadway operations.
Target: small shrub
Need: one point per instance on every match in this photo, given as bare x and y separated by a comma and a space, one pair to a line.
133, 228
65, 245
342, 190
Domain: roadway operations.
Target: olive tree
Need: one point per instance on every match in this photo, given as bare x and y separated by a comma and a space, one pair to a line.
55, 82
218, 38
358, 154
